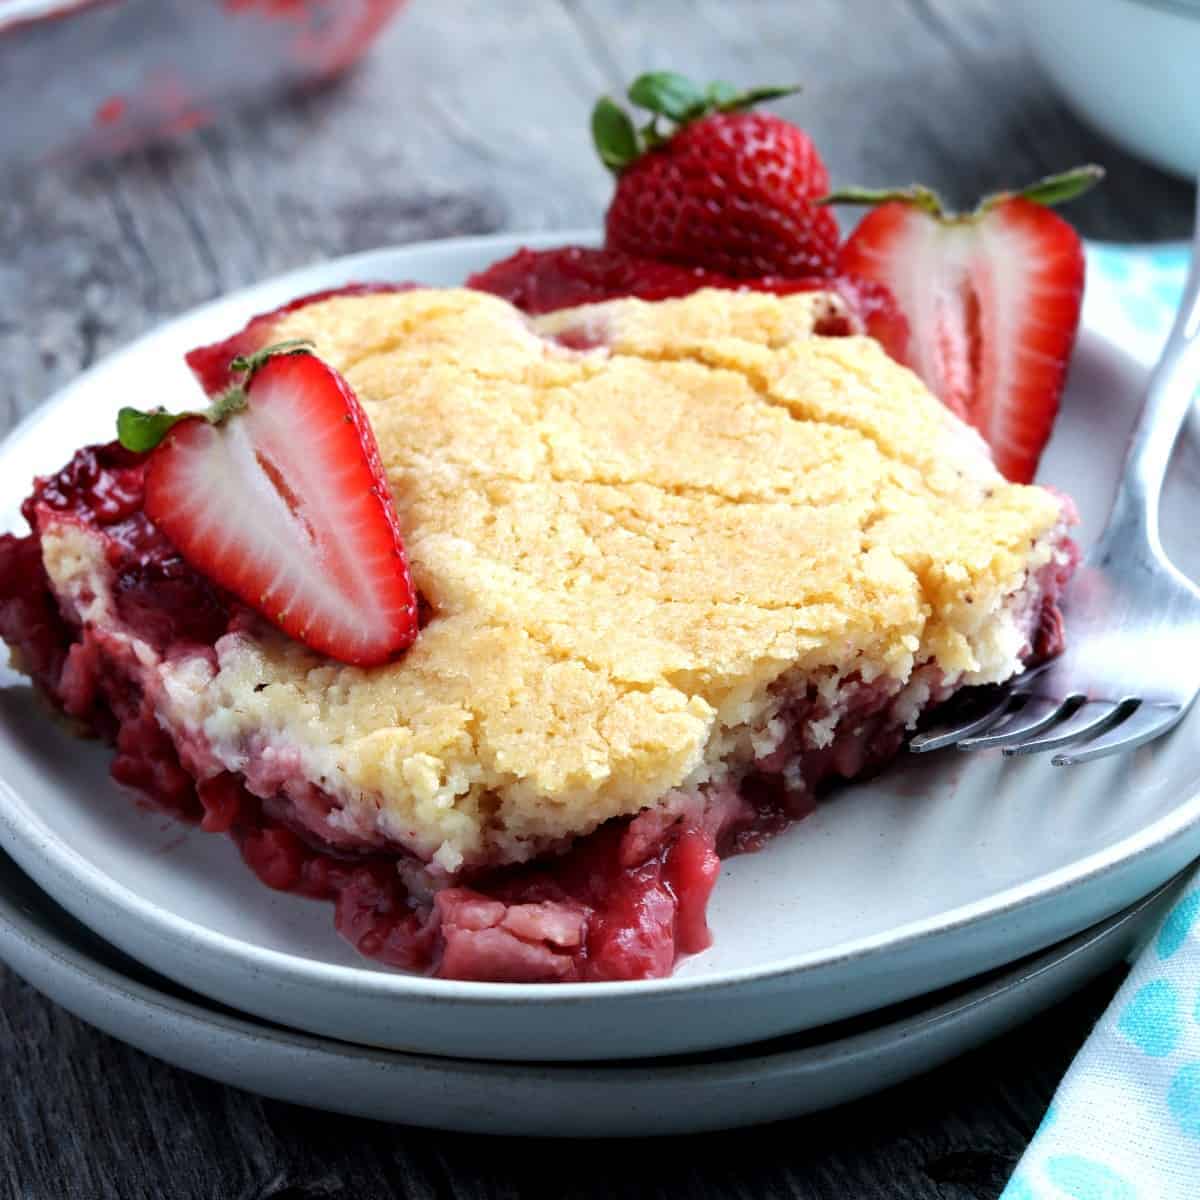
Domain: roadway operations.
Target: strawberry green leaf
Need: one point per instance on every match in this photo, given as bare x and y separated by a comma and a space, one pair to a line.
1057, 189
1054, 189
721, 94
142, 431
917, 195
669, 94
614, 135
752, 96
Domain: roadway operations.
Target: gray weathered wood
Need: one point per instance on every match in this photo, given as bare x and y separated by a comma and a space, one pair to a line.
469, 117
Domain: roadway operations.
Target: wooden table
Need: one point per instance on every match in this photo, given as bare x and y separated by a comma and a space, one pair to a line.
469, 117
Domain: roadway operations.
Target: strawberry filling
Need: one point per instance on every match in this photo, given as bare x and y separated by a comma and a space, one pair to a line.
210, 364
542, 281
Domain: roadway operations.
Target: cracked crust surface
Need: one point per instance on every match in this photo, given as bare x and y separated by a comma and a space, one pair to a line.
625, 549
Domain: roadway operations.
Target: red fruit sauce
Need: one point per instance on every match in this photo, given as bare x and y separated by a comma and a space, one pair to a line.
542, 281
210, 364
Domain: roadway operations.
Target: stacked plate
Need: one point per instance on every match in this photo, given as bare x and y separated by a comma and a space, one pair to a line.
908, 919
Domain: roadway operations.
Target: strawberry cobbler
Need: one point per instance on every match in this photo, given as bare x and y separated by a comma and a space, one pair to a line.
676, 565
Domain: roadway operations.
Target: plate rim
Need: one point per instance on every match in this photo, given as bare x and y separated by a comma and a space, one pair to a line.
785, 1079
956, 1002
41, 843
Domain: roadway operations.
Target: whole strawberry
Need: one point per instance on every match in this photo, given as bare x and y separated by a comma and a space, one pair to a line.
718, 187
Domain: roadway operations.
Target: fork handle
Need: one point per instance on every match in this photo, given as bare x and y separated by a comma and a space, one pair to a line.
1169, 393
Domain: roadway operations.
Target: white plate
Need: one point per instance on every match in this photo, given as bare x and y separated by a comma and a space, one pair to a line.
943, 868
784, 1078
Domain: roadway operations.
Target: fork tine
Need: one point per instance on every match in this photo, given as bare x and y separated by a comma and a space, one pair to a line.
1037, 714
1088, 719
941, 736
1143, 725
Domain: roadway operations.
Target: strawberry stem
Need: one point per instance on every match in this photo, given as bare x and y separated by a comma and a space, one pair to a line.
143, 431
225, 404
251, 364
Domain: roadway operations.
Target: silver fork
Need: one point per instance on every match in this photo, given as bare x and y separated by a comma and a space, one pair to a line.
1131, 667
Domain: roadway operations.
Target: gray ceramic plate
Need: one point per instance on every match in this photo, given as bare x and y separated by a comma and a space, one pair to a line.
784, 1078
943, 868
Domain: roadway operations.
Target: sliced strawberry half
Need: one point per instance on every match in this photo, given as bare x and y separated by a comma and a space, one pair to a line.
211, 364
278, 495
992, 300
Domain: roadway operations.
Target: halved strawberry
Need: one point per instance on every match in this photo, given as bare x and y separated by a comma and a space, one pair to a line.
277, 494
992, 300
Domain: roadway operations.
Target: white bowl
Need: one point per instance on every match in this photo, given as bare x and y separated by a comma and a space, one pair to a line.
1129, 67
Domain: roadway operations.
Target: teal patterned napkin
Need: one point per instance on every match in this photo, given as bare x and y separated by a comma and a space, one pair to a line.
1125, 1122
1133, 291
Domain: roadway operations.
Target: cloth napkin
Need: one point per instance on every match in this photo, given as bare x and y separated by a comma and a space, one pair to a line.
1125, 1122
